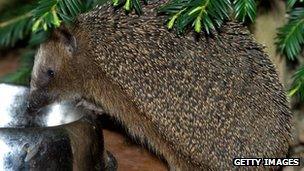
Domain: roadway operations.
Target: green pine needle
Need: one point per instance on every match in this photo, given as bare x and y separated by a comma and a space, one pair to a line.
206, 14
115, 2
297, 88
23, 73
45, 15
290, 38
137, 7
50, 13
15, 29
244, 9
291, 3
129, 5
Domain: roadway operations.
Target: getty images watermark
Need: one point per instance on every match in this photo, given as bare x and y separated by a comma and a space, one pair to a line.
266, 161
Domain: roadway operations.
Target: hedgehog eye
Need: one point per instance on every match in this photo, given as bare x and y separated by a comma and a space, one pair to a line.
50, 73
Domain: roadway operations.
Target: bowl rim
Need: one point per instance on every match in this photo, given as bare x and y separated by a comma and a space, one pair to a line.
81, 113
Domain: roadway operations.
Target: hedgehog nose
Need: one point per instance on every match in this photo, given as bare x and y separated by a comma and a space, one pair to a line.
31, 108
36, 100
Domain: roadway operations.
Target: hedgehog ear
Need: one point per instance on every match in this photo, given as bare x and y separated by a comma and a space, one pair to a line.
64, 35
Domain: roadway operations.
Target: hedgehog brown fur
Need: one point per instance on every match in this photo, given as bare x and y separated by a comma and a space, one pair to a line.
199, 101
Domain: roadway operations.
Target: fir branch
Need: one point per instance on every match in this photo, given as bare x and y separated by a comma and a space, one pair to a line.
45, 15
18, 18
23, 73
290, 37
129, 5
15, 29
244, 9
297, 88
291, 3
207, 13
50, 13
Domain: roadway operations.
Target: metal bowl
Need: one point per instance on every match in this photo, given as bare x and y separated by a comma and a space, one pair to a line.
58, 137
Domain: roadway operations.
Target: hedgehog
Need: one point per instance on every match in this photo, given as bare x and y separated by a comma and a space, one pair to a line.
197, 101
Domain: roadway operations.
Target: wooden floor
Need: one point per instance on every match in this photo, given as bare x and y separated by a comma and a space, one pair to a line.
130, 157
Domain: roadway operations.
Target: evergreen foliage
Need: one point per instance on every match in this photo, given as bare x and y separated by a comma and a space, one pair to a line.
290, 39
41, 16
22, 75
244, 9
290, 42
48, 14
207, 14
129, 5
297, 88
16, 28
